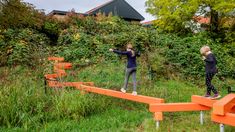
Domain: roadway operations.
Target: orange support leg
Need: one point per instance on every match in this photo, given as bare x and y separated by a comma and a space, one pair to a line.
158, 116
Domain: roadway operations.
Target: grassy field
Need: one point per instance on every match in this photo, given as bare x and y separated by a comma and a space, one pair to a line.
25, 107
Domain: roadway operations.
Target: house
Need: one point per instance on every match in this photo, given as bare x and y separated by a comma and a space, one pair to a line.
118, 8
61, 15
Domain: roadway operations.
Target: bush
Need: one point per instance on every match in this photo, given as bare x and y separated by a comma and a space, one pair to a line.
182, 54
22, 47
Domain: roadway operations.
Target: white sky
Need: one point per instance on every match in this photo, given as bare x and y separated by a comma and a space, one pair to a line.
81, 6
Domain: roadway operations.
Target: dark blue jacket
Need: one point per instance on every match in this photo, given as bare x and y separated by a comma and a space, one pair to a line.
211, 64
131, 60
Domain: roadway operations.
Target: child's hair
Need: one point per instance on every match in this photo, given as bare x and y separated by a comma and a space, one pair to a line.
204, 49
129, 46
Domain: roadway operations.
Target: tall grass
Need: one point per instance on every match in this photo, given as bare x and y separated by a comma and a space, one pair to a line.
24, 104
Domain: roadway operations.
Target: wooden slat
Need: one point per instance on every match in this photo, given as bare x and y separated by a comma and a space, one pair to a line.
56, 58
117, 94
228, 118
51, 76
203, 100
63, 65
68, 84
174, 107
224, 105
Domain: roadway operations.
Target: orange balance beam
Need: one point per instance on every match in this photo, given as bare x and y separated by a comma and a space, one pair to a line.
228, 119
63, 65
117, 94
54, 76
56, 58
224, 105
203, 100
174, 107
60, 72
68, 84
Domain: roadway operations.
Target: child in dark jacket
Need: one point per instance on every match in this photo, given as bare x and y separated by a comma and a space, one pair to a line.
211, 70
131, 67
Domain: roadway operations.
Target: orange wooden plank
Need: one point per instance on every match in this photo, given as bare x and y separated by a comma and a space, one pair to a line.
173, 107
224, 105
51, 76
158, 116
202, 100
61, 72
56, 58
228, 118
68, 84
63, 65
117, 94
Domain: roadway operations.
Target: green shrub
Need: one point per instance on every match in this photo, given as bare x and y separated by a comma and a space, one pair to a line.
182, 54
22, 47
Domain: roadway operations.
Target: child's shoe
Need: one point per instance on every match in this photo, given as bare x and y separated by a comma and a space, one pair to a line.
216, 96
123, 90
134, 93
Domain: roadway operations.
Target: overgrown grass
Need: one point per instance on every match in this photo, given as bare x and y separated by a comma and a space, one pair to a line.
25, 107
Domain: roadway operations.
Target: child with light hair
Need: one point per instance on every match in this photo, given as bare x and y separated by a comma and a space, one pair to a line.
211, 70
131, 66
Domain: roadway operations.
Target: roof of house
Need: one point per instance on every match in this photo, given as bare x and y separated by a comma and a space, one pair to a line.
54, 12
117, 7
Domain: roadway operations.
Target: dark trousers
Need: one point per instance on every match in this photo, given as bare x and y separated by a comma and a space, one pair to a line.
210, 87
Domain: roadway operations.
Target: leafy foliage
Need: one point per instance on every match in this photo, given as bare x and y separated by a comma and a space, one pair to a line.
174, 16
24, 47
17, 14
181, 55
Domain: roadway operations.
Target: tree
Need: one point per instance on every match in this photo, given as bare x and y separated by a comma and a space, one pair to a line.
173, 15
18, 14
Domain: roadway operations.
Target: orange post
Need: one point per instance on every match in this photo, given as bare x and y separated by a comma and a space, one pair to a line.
117, 94
158, 116
174, 107
202, 100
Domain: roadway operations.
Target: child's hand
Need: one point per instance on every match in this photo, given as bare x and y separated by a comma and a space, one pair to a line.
111, 50
203, 57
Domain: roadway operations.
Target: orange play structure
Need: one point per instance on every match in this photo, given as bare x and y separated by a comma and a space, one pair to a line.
223, 110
